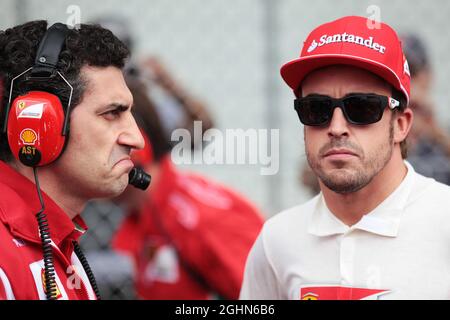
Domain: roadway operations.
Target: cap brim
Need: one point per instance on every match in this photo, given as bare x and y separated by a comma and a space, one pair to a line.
295, 71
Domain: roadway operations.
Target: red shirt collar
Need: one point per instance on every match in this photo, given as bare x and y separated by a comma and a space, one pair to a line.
20, 203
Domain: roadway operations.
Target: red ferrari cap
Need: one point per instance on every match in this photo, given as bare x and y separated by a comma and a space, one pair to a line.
356, 41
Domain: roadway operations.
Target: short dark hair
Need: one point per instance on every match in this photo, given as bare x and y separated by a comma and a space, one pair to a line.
85, 45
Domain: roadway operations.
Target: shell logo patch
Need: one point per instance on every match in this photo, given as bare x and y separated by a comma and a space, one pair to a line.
28, 136
340, 293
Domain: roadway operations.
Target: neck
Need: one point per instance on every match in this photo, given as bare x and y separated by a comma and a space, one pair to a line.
350, 208
69, 203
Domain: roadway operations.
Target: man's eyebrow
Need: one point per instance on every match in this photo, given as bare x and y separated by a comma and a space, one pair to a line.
316, 95
117, 106
353, 93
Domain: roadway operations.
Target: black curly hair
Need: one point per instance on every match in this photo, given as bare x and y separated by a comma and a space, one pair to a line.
85, 45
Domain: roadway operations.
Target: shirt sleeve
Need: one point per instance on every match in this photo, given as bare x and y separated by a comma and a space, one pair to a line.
260, 281
225, 245
5, 287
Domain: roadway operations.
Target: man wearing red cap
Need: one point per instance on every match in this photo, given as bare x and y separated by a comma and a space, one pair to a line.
377, 230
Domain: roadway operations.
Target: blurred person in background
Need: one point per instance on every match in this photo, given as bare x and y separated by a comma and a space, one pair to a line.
429, 143
188, 236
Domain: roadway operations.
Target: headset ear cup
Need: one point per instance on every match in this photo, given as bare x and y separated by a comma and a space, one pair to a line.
34, 130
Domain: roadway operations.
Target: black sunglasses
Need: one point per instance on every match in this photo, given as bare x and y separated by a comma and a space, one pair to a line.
358, 108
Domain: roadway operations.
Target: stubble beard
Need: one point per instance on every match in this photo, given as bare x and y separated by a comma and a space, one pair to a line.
350, 178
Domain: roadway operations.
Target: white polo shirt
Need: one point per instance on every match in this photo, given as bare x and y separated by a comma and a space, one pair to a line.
400, 250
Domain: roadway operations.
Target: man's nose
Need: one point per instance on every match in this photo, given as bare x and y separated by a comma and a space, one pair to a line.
338, 125
132, 136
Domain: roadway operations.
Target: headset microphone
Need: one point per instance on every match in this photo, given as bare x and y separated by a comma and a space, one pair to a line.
139, 178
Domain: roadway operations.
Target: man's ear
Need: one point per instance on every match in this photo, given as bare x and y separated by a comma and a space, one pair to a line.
402, 124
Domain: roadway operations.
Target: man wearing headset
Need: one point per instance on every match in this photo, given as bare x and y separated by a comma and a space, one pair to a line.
94, 161
377, 230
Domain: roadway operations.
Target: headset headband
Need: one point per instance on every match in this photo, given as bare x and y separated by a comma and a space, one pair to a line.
44, 67
49, 49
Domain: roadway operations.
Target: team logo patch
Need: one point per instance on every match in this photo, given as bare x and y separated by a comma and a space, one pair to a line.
31, 112
313, 46
340, 293
21, 105
28, 136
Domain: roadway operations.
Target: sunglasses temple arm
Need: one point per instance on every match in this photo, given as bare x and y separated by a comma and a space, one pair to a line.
393, 103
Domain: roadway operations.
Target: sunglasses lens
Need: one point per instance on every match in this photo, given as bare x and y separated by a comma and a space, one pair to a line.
364, 109
314, 111
360, 109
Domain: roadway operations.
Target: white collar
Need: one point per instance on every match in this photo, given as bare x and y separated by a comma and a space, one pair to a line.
384, 220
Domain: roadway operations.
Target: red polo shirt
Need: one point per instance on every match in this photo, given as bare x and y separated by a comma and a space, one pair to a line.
21, 257
208, 224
